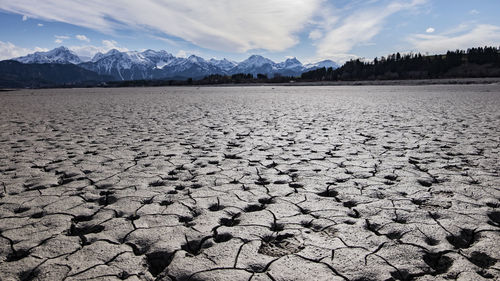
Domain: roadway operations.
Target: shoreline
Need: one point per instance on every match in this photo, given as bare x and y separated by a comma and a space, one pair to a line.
410, 82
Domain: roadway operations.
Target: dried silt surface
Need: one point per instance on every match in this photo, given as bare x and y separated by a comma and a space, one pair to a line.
251, 183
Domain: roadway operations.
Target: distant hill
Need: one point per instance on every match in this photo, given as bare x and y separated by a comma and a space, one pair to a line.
14, 74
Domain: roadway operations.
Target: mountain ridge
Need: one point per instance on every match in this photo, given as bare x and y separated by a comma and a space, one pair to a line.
60, 55
151, 64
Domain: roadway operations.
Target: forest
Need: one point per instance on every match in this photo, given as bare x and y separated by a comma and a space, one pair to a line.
474, 62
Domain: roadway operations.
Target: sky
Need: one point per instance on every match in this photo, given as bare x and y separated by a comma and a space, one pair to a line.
310, 30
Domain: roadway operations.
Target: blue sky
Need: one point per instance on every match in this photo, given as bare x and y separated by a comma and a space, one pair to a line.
310, 30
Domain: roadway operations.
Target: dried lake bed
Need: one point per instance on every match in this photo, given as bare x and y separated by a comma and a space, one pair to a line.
251, 183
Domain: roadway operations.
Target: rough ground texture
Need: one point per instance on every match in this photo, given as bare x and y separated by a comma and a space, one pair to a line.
285, 183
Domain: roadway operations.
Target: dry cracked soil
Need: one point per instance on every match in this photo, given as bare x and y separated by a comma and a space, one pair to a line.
251, 183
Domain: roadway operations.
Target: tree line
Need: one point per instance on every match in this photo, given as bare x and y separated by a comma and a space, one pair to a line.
213, 79
475, 62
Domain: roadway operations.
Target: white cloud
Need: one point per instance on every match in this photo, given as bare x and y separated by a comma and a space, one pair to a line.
82, 38
475, 36
9, 50
40, 24
315, 34
60, 38
25, 18
185, 54
169, 41
181, 54
112, 44
91, 50
226, 25
358, 29
430, 30
474, 12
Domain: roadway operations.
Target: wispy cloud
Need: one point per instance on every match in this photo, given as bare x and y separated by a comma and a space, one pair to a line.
60, 38
181, 54
9, 50
25, 18
227, 25
359, 28
430, 30
315, 34
474, 12
82, 38
461, 38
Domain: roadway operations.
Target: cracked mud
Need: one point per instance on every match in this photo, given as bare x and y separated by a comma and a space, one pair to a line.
251, 183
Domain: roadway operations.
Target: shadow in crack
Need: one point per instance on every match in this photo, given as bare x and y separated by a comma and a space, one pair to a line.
158, 261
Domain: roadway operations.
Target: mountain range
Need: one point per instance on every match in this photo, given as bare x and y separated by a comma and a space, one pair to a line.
150, 64
62, 66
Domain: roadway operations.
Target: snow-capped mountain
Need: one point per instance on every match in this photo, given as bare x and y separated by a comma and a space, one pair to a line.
60, 55
224, 64
255, 64
290, 64
122, 65
255, 61
291, 67
150, 64
193, 66
321, 64
159, 58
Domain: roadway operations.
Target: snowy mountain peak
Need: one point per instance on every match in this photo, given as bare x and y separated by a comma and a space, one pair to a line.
151, 52
224, 63
323, 63
97, 56
156, 54
196, 59
59, 49
255, 61
112, 52
157, 58
291, 63
58, 55
135, 57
